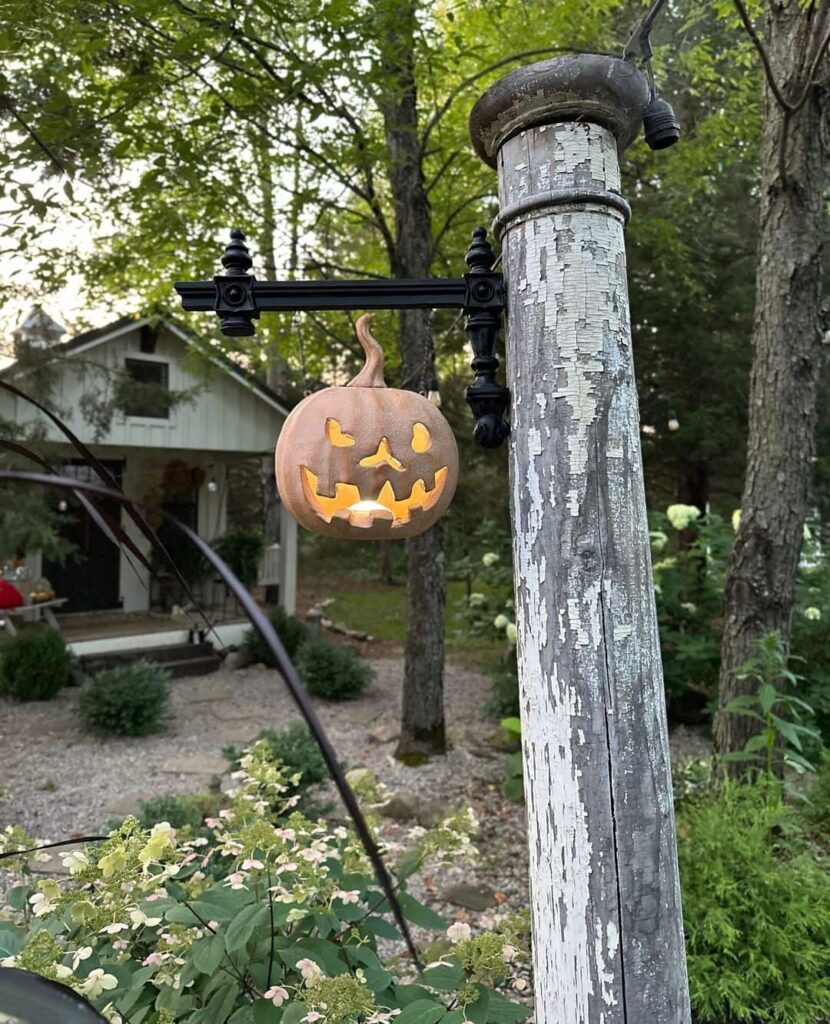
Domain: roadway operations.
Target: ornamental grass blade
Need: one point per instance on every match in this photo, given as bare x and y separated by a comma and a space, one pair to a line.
33, 999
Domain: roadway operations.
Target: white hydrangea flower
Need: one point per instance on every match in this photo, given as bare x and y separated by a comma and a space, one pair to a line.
98, 981
477, 600
310, 971
813, 614
501, 621
490, 558
736, 519
682, 516
459, 931
84, 953
41, 905
75, 862
511, 632
139, 919
352, 896
277, 994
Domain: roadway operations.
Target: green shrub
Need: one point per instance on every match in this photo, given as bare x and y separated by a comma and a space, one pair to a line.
126, 701
297, 750
242, 550
816, 810
151, 927
331, 671
35, 665
756, 904
291, 630
504, 693
181, 810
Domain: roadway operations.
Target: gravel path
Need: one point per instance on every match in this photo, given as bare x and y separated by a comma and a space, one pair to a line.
58, 780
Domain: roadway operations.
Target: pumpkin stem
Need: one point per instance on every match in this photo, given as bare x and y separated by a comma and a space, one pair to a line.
371, 376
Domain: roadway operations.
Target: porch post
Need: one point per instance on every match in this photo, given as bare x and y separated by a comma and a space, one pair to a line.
288, 561
607, 925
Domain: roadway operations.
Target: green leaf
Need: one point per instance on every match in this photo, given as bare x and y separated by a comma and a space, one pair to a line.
18, 896
382, 928
244, 1015
799, 763
322, 952
767, 696
200, 912
265, 1012
294, 1013
512, 725
207, 953
11, 939
787, 730
422, 1011
219, 1006
505, 1011
243, 926
755, 743
447, 977
418, 914
406, 994
477, 1011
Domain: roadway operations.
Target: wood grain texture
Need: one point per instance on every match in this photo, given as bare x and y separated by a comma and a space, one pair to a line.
608, 937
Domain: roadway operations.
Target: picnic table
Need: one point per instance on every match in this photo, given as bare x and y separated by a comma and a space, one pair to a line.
6, 614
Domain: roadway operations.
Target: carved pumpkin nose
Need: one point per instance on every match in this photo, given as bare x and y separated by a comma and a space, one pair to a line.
383, 456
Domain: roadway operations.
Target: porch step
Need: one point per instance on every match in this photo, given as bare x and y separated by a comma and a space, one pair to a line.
179, 659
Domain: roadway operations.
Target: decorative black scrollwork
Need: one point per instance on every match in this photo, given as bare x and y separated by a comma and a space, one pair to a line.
239, 299
484, 308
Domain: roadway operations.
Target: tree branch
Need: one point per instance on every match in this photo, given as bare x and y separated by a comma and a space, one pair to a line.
811, 74
762, 53
472, 79
38, 141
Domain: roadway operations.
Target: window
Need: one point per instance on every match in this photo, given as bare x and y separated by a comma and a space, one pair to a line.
146, 389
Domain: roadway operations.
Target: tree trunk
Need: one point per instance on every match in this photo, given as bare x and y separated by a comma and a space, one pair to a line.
785, 370
422, 724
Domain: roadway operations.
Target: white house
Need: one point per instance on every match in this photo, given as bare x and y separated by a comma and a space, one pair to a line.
176, 456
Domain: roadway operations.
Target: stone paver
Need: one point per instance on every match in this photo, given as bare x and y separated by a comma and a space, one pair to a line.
194, 764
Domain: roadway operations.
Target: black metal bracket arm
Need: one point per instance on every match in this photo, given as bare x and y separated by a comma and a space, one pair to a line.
238, 299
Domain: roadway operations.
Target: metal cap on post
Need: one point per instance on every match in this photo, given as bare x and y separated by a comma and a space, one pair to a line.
583, 87
608, 932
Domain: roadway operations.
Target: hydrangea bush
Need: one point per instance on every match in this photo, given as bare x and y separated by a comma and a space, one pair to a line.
270, 918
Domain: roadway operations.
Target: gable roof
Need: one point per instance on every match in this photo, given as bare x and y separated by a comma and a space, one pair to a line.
102, 335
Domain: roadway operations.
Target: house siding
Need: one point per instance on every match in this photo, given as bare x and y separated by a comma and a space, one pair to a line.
226, 416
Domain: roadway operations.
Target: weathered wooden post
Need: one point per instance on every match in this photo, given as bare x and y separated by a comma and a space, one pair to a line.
608, 931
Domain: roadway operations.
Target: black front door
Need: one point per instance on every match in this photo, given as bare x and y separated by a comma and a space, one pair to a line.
90, 577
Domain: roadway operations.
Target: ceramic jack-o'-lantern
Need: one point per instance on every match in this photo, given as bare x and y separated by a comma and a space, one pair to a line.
365, 461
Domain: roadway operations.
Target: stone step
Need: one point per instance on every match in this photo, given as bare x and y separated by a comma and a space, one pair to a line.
179, 659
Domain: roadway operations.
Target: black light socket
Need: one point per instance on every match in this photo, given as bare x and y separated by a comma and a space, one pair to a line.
660, 125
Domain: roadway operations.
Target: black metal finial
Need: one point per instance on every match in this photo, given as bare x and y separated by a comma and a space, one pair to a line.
235, 289
236, 259
484, 308
480, 256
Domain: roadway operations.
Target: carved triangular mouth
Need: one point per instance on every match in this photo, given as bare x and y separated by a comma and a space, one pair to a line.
348, 503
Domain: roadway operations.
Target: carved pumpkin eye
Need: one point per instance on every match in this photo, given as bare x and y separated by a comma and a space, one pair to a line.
421, 438
335, 435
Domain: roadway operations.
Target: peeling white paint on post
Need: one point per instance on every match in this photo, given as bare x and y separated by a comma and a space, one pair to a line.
607, 925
